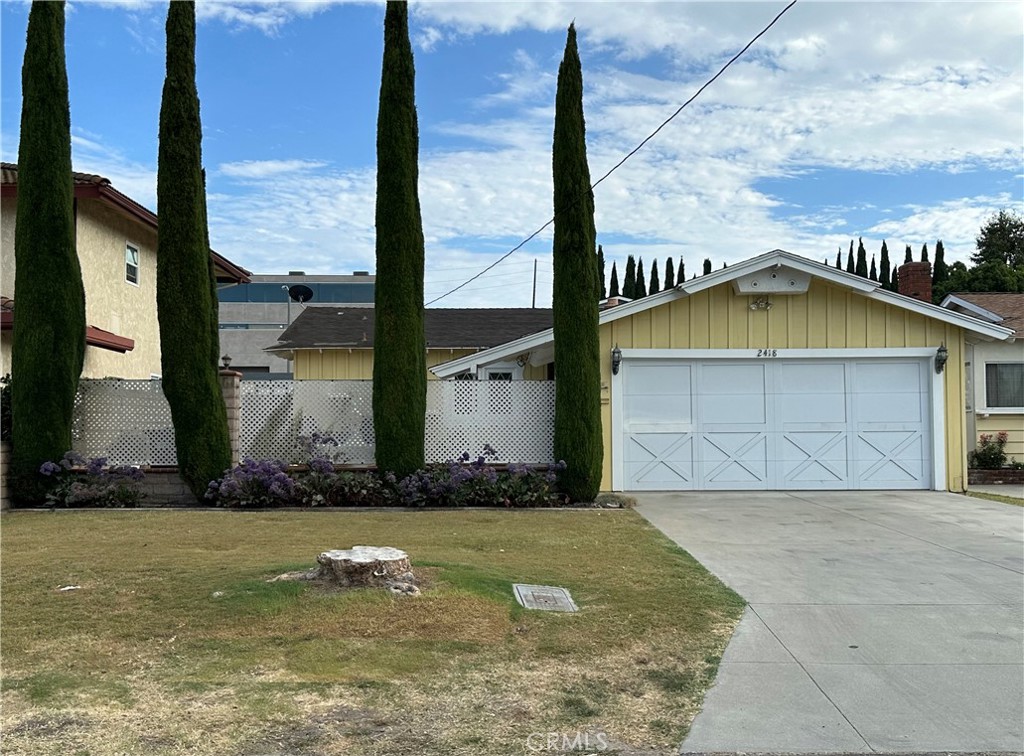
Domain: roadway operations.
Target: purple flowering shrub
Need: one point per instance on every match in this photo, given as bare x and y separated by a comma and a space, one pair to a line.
264, 483
78, 482
476, 483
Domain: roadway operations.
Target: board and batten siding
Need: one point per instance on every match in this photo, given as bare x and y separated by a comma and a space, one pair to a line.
826, 317
357, 364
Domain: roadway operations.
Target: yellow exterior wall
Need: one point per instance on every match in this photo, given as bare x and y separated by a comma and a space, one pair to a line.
993, 420
357, 364
826, 317
1012, 425
111, 303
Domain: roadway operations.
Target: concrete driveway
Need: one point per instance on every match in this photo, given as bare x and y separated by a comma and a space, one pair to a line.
878, 621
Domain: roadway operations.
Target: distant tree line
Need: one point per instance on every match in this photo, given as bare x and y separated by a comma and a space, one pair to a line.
997, 264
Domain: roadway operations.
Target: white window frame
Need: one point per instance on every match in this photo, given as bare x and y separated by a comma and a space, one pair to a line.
989, 409
510, 367
128, 248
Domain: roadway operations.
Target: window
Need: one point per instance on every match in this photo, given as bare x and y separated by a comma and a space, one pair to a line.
131, 264
499, 375
1004, 384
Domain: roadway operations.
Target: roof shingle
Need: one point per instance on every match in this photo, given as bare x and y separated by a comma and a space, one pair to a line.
1010, 307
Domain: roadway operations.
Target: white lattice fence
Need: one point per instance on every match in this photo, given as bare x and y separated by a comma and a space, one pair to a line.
277, 414
517, 418
126, 421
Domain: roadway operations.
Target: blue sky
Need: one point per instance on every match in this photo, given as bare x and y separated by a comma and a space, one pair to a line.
902, 121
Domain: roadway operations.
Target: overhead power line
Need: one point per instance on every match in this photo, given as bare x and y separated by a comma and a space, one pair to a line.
632, 152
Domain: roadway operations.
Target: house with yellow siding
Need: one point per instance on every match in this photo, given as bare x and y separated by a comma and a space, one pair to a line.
336, 343
994, 370
775, 373
115, 238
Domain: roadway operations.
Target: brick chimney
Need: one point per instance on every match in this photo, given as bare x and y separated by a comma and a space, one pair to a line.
915, 280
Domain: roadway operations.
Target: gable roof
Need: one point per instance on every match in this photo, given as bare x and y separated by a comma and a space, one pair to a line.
775, 258
352, 327
92, 186
1006, 309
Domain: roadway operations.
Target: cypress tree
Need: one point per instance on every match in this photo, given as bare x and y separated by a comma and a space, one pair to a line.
895, 284
670, 274
681, 273
399, 360
186, 305
629, 285
641, 281
49, 329
839, 259
885, 268
924, 253
655, 284
614, 290
862, 260
909, 256
873, 275
940, 271
707, 265
851, 266
602, 292
578, 432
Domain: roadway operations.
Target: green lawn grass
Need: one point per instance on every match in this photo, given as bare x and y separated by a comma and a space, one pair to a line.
997, 497
175, 643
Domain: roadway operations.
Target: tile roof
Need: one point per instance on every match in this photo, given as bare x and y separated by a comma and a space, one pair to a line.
471, 328
1010, 307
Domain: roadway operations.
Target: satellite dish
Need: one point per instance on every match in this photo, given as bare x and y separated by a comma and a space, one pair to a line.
300, 293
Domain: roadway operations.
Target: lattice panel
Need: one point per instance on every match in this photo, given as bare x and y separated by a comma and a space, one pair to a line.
276, 414
126, 421
517, 418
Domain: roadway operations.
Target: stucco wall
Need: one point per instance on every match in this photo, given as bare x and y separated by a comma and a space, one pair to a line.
995, 420
826, 316
111, 303
357, 364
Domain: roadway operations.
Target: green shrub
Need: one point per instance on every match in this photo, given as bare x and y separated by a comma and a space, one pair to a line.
990, 454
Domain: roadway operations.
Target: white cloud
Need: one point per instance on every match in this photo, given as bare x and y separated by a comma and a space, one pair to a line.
260, 169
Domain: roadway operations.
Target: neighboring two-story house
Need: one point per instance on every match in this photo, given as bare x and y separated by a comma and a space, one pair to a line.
116, 239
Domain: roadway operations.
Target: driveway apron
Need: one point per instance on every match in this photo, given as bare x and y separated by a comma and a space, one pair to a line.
877, 621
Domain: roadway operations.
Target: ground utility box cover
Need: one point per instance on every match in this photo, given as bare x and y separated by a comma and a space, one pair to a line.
549, 598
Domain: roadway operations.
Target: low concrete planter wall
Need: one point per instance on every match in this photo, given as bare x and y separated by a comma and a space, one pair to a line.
164, 487
979, 477
5, 458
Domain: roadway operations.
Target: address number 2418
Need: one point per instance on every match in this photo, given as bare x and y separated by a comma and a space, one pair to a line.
767, 352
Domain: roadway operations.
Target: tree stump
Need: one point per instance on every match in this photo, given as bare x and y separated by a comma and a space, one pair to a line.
374, 566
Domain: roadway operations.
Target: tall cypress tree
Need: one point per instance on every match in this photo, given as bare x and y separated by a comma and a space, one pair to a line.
613, 291
924, 253
641, 281
909, 256
851, 266
940, 271
49, 329
885, 268
670, 274
184, 290
681, 273
862, 260
873, 275
399, 360
655, 283
602, 292
578, 431
895, 284
629, 285
707, 265
839, 259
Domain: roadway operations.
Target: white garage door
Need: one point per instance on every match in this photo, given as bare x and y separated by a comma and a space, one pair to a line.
778, 424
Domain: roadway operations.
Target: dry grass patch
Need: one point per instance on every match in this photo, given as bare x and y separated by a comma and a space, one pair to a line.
176, 644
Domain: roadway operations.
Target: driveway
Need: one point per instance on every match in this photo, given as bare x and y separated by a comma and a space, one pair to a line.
878, 621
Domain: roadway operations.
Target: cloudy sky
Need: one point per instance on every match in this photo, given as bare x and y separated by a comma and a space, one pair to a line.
894, 120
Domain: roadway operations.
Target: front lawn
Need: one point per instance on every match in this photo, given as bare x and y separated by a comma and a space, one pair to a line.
174, 643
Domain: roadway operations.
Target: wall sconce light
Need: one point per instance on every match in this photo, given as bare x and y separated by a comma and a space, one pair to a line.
616, 360
522, 359
761, 303
227, 362
941, 356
